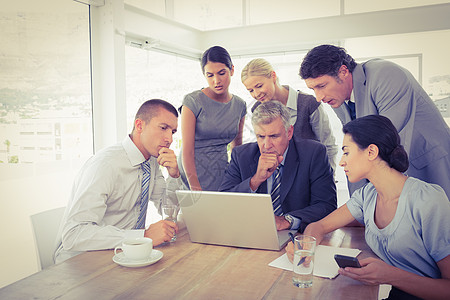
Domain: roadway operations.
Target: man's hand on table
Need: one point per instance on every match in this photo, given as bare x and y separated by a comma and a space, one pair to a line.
161, 231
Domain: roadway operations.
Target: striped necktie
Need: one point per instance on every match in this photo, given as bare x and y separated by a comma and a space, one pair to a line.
145, 166
275, 194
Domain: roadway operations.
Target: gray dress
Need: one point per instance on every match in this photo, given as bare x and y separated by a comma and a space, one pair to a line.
216, 126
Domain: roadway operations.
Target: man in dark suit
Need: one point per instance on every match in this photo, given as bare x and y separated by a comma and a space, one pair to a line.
304, 191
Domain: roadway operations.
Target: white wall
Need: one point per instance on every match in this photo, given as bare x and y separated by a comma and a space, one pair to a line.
21, 198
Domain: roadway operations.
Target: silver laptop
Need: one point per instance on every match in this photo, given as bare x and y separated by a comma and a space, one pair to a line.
231, 219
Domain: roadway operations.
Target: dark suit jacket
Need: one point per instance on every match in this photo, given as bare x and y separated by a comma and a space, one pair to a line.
308, 191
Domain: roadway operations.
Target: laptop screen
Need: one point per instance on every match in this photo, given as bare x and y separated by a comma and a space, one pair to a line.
231, 219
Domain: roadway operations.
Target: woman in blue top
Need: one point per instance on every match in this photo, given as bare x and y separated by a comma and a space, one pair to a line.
406, 220
211, 118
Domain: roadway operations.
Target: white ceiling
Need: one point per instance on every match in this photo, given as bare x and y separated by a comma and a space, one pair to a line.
219, 14
163, 24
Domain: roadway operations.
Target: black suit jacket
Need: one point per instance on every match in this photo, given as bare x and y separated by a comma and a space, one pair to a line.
308, 191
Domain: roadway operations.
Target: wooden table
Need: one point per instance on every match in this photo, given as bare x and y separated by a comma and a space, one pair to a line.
190, 271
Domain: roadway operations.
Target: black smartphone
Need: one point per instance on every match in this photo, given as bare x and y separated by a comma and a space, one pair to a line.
346, 261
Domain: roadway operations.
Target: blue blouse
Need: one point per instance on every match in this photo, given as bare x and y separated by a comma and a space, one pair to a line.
419, 234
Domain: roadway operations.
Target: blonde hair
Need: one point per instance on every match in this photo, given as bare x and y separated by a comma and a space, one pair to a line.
257, 67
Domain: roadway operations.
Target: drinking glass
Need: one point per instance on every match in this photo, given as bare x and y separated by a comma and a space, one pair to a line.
304, 249
170, 212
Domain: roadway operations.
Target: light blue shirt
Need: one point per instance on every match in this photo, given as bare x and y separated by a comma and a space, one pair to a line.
419, 234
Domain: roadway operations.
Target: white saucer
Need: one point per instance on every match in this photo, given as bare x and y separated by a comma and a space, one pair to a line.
120, 259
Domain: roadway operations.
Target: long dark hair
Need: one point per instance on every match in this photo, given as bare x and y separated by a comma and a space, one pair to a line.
216, 54
380, 131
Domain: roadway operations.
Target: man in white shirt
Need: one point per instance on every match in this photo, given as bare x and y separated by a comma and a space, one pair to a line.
105, 202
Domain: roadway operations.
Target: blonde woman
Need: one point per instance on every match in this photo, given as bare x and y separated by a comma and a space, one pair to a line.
309, 119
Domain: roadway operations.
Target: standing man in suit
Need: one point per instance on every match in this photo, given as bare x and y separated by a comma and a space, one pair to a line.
383, 88
109, 197
297, 174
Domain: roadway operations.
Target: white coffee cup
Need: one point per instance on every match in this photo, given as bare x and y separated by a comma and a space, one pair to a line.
136, 249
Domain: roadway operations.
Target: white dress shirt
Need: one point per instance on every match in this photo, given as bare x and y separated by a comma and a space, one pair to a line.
104, 204
352, 98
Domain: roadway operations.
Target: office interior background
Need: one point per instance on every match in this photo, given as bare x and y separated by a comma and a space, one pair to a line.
73, 73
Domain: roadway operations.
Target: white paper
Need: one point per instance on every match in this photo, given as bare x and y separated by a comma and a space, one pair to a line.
324, 263
384, 290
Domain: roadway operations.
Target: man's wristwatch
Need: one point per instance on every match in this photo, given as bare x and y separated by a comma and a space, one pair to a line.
290, 219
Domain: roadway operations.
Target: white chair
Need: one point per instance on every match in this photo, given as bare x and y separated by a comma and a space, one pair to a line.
45, 229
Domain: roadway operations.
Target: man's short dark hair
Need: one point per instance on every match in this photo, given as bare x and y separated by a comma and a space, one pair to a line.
325, 60
150, 108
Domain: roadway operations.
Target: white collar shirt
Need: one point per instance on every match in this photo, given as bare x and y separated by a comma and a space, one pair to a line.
104, 203
291, 104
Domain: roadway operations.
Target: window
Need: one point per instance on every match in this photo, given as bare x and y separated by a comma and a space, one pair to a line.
45, 116
428, 63
151, 74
